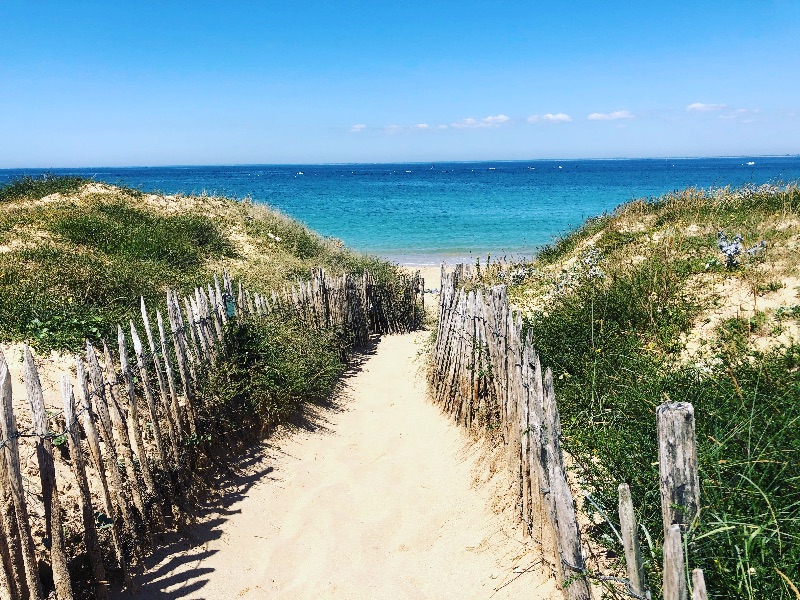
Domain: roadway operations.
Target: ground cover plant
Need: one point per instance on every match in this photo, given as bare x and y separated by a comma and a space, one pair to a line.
76, 255
640, 307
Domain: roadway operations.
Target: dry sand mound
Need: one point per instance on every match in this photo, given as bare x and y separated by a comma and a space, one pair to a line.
377, 502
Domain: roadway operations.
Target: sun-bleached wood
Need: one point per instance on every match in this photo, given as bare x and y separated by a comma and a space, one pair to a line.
47, 476
10, 450
674, 575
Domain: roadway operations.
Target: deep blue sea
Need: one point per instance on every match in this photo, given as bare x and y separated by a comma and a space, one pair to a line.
428, 212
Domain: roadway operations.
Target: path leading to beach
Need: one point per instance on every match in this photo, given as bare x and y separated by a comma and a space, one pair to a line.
376, 502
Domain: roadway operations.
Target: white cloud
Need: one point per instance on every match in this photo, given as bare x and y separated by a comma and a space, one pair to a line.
612, 116
496, 120
441, 126
552, 118
700, 107
470, 122
490, 121
358, 127
422, 126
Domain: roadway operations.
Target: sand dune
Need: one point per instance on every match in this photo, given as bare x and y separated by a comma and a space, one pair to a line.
377, 502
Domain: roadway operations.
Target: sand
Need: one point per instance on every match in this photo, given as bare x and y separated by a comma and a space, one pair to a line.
378, 500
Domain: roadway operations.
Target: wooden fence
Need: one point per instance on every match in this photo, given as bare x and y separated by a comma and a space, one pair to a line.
129, 424
486, 372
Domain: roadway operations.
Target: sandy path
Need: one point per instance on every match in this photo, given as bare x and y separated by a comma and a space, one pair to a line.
378, 503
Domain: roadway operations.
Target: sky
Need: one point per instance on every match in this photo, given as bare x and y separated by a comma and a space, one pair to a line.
192, 83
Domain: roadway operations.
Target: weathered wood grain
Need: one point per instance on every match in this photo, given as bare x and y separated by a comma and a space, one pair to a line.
674, 587
47, 476
630, 541
8, 431
92, 542
677, 464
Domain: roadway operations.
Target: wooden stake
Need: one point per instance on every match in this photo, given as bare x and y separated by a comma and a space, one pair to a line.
10, 544
674, 577
47, 475
699, 585
677, 464
174, 405
79, 471
89, 420
630, 541
134, 426
8, 431
166, 398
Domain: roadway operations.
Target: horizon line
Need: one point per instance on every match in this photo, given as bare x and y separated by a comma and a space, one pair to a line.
415, 162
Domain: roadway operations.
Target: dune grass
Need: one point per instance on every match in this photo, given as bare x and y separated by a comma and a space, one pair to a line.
76, 255
636, 308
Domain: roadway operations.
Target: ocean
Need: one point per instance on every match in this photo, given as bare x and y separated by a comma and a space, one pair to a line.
425, 213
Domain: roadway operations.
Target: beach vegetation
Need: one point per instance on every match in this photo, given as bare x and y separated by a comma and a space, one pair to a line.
76, 255
643, 306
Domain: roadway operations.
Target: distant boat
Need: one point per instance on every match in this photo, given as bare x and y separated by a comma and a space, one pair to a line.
750, 164
560, 167
300, 173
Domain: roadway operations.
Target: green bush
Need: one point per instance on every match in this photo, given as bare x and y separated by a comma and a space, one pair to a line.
274, 365
612, 345
37, 188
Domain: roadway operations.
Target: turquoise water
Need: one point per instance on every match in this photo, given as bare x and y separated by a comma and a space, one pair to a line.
425, 213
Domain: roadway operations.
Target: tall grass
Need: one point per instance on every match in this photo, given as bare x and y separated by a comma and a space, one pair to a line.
39, 187
73, 269
615, 346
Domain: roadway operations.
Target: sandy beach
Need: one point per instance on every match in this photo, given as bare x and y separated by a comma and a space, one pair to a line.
381, 498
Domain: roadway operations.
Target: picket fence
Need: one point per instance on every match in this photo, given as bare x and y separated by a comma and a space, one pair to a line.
485, 372
131, 429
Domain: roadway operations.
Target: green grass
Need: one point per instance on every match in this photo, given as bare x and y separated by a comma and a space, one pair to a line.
616, 344
37, 188
72, 269
274, 366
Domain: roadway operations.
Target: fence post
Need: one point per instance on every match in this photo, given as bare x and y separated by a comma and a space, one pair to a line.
699, 585
151, 404
10, 544
115, 476
173, 394
677, 464
569, 537
10, 449
47, 475
674, 577
630, 541
79, 471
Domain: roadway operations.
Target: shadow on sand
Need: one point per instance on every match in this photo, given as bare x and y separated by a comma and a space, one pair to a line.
175, 570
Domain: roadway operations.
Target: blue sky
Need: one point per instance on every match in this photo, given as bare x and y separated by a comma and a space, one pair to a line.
124, 83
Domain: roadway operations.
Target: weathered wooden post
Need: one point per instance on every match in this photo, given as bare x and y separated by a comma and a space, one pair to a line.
569, 537
10, 545
47, 475
151, 404
166, 398
680, 489
179, 340
699, 585
674, 575
630, 541
114, 481
79, 471
10, 450
677, 464
173, 393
